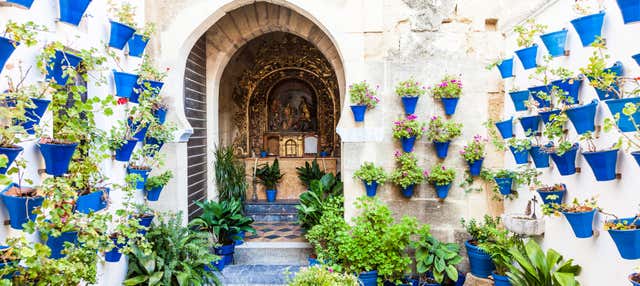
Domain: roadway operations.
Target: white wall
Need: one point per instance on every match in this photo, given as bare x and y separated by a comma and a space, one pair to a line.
602, 265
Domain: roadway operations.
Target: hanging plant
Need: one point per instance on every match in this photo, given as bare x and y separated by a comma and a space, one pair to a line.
474, 153
579, 215
154, 185
407, 173
72, 11
605, 80
625, 232
141, 164
520, 149
555, 42
526, 34
138, 43
371, 176
448, 91
441, 132
441, 178
552, 194
21, 198
589, 26
362, 97
15, 34
151, 80
410, 90
505, 66
563, 152
407, 131
602, 162
123, 23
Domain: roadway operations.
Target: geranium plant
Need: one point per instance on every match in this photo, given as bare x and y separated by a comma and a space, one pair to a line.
575, 206
440, 130
410, 88
148, 71
449, 87
123, 12
555, 131
408, 127
440, 175
475, 149
362, 94
24, 33
519, 144
587, 7
407, 172
369, 173
528, 31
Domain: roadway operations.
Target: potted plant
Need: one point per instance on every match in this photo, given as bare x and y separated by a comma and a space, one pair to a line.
122, 25
407, 173
429, 252
441, 132
552, 194
363, 97
151, 81
371, 176
474, 153
480, 261
538, 154
624, 109
534, 267
124, 83
141, 165
498, 246
530, 124
20, 200
322, 192
58, 64
157, 135
14, 34
589, 25
505, 127
520, 149
122, 141
604, 79
565, 152
138, 43
526, 33
71, 11
269, 176
407, 131
92, 193
320, 275
583, 117
629, 10
505, 66
441, 178
448, 91
35, 104
504, 179
154, 185
625, 233
602, 162
579, 215
519, 97
309, 172
410, 90
555, 42
159, 107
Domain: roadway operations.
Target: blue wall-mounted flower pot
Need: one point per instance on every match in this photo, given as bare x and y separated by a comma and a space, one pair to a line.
125, 83
140, 135
519, 98
92, 202
442, 148
20, 209
581, 223
627, 241
480, 261
154, 141
153, 195
539, 157
504, 185
358, 112
528, 56
635, 57
603, 164
71, 11
610, 93
505, 128
142, 177
555, 42
407, 192
369, 278
442, 191
571, 87
546, 199
407, 144
161, 115
520, 156
33, 115
506, 68
271, 195
534, 93
120, 35
583, 117
371, 189
57, 157
56, 244
153, 86
630, 10
57, 64
624, 123
566, 163
500, 280
589, 27
475, 167
545, 116
409, 103
7, 47
137, 44
123, 154
226, 253
449, 105
24, 3
11, 154
530, 124
145, 221
114, 254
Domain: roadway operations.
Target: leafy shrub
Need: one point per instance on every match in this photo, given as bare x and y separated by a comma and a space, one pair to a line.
440, 175
440, 130
231, 179
410, 88
309, 172
223, 219
312, 201
323, 236
322, 276
533, 267
369, 172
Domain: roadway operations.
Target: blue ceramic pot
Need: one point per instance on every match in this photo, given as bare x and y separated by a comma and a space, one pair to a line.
238, 238
120, 35
530, 124
92, 202
123, 154
475, 167
534, 93
56, 244
504, 185
408, 191
520, 156
630, 10
57, 157
480, 261
145, 221
154, 194
33, 115
624, 123
313, 262
153, 86
140, 135
539, 157
545, 116
566, 163
137, 44
555, 42
635, 57
24, 3
153, 141
71, 11
271, 195
125, 82
358, 112
506, 128
226, 252
142, 177
7, 47
409, 103
506, 68
57, 64
610, 93
634, 283
407, 144
11, 154
581, 223
450, 105
370, 188
528, 56
583, 117
442, 191
263, 154
500, 280
519, 98
160, 115
589, 27
559, 197
627, 241
20, 209
442, 148
114, 254
571, 87
324, 154
369, 278
603, 164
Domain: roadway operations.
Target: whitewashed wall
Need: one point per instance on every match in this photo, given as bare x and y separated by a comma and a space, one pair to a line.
602, 265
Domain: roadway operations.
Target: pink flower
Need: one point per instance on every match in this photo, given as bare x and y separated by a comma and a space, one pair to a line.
330, 270
397, 153
412, 117
443, 168
404, 174
434, 117
425, 173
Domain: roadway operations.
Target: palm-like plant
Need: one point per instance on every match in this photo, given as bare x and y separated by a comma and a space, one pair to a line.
231, 179
269, 175
224, 220
313, 200
535, 268
309, 172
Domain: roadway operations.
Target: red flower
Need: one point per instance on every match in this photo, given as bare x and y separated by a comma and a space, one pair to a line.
122, 101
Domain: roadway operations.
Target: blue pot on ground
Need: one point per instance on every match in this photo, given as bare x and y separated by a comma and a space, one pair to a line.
271, 195
145, 221
539, 157
571, 87
519, 98
154, 194
226, 252
520, 156
114, 254
627, 241
480, 262
371, 188
264, 154
33, 115
610, 93
534, 94
125, 82
92, 202
409, 103
407, 144
530, 124
11, 154
555, 42
56, 65
7, 47
635, 57
161, 115
407, 191
450, 105
313, 262
358, 112
566, 163
137, 44
123, 154
142, 177
624, 123
504, 185
56, 244
20, 209
545, 116
24, 3
120, 35
57, 157
369, 278
506, 68
442, 148
528, 56
581, 223
630, 10
442, 190
583, 117
603, 164
506, 128
71, 11
589, 27
500, 280
557, 199
238, 238
475, 167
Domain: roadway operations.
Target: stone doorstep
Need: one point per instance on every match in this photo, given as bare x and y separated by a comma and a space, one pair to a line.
256, 275
272, 253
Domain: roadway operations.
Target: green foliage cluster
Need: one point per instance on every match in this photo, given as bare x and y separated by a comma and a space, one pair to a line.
231, 180
437, 257
362, 94
533, 267
158, 181
309, 172
528, 31
322, 236
224, 220
322, 276
475, 149
407, 172
440, 175
408, 127
449, 87
441, 130
499, 245
519, 144
369, 172
410, 88
269, 175
312, 202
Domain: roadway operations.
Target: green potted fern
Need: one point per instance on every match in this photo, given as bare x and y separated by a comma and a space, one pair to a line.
269, 176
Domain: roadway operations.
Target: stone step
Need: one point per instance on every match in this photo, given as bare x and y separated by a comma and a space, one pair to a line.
278, 211
256, 275
272, 253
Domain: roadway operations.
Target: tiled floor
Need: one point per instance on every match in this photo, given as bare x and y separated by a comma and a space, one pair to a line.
277, 232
